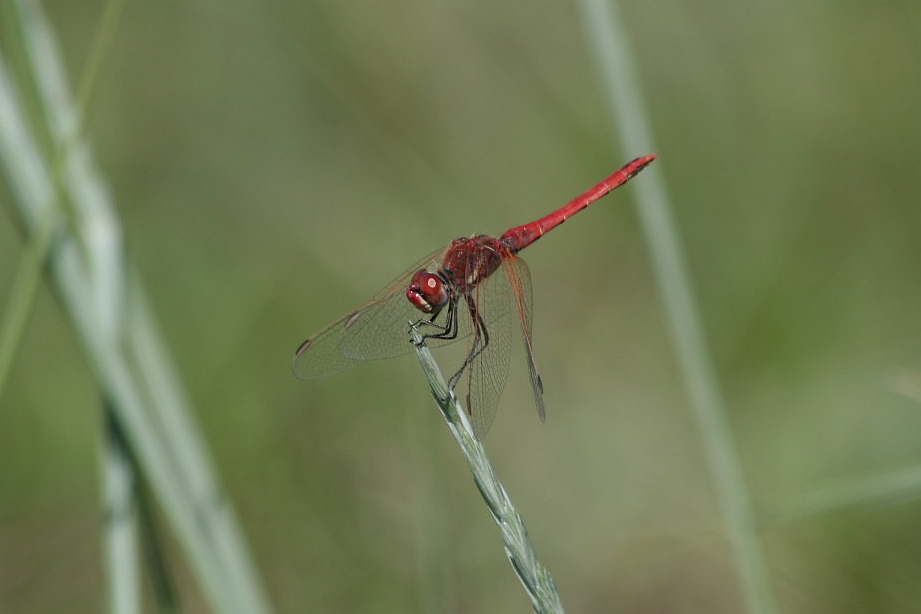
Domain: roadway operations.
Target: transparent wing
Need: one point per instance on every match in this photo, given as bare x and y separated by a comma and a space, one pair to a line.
519, 279
487, 373
376, 330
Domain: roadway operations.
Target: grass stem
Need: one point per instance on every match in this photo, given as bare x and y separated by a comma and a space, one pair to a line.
534, 577
609, 45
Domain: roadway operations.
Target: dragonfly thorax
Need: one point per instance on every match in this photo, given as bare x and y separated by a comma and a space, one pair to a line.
470, 260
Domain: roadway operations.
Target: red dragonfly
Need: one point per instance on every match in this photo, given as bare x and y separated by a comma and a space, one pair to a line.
459, 297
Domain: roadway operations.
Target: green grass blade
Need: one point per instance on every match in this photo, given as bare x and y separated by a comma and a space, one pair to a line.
94, 281
854, 493
129, 515
120, 525
610, 47
22, 294
533, 575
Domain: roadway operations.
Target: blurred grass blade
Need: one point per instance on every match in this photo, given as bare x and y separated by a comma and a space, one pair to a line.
107, 307
534, 577
610, 48
129, 514
26, 281
22, 294
875, 491
120, 528
99, 52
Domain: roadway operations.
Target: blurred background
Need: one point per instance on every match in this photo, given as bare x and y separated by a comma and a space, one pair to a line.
275, 163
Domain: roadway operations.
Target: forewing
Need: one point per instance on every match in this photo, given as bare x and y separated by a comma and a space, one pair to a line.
319, 356
376, 330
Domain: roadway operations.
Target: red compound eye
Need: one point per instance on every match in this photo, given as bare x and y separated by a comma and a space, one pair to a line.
427, 291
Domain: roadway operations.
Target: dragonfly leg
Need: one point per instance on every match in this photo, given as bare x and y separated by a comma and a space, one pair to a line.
480, 341
446, 331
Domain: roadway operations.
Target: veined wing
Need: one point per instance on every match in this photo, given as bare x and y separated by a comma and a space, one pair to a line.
519, 279
376, 330
487, 373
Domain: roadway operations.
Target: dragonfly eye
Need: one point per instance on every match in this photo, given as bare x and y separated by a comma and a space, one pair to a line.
427, 291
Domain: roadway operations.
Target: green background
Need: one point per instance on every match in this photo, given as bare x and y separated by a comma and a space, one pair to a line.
275, 163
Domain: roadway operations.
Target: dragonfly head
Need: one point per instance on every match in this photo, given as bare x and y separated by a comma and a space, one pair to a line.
427, 292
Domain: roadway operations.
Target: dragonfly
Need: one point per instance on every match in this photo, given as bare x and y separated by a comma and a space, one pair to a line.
475, 289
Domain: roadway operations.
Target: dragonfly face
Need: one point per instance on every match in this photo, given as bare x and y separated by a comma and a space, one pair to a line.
427, 292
